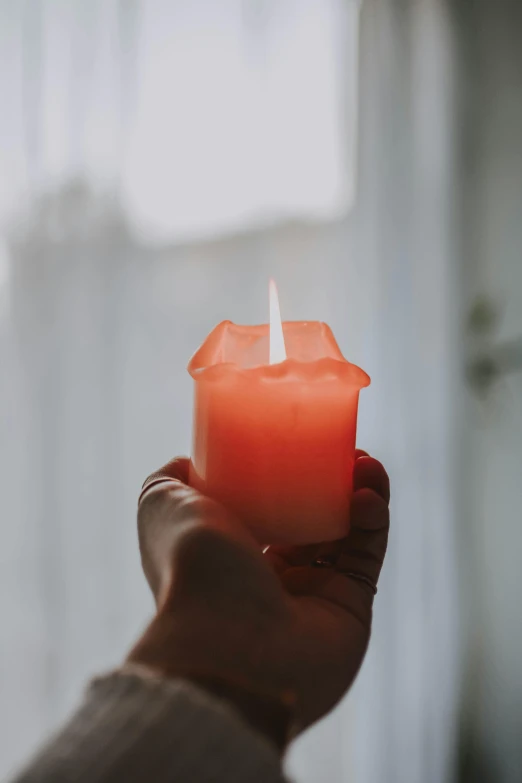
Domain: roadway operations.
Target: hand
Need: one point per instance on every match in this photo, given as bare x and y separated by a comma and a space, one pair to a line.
287, 621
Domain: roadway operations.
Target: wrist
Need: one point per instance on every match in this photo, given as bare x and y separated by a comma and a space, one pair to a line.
270, 715
167, 652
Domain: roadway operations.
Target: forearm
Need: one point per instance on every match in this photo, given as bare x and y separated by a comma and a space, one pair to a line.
136, 728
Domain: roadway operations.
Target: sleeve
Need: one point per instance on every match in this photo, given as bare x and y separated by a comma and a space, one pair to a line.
134, 728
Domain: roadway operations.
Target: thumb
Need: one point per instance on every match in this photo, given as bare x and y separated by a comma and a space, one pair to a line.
177, 522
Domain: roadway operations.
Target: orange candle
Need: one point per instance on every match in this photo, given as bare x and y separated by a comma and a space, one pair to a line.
274, 437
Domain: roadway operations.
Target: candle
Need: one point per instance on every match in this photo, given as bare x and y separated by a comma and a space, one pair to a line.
275, 417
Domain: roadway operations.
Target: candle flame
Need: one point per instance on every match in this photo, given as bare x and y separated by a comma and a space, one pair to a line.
277, 340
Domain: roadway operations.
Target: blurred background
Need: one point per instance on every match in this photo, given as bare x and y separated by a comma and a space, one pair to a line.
159, 160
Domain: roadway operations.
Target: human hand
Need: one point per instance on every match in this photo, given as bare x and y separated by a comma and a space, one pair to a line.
288, 624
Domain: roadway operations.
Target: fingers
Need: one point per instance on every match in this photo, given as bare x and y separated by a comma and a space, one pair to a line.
349, 595
351, 580
169, 507
358, 561
362, 553
368, 511
369, 473
351, 583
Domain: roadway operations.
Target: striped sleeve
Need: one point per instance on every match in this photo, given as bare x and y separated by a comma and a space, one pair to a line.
132, 728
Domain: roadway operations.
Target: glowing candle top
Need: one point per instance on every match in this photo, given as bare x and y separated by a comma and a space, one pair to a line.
294, 350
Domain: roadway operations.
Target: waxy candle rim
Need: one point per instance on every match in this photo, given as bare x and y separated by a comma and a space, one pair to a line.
333, 366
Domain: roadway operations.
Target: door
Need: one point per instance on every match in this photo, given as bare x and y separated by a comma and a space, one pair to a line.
491, 453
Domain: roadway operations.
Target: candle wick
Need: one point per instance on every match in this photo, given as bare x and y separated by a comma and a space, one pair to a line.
277, 351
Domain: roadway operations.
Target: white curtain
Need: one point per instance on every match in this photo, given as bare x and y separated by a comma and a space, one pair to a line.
160, 161
205, 116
